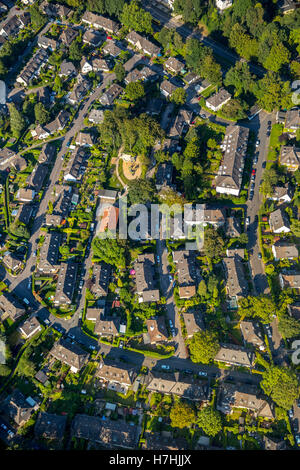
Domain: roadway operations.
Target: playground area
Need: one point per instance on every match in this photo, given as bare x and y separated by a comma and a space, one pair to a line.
132, 168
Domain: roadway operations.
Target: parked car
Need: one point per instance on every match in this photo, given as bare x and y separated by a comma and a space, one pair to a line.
291, 413
165, 367
202, 373
257, 143
260, 255
247, 220
121, 345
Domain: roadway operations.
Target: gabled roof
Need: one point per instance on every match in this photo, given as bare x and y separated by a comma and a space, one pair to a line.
50, 426
69, 354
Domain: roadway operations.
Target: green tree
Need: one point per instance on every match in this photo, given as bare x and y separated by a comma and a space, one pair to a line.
120, 72
261, 306
178, 96
110, 250
37, 18
140, 191
279, 55
41, 113
281, 384
210, 421
202, 289
182, 415
75, 52
214, 244
204, 346
135, 91
17, 122
136, 18
288, 326
58, 84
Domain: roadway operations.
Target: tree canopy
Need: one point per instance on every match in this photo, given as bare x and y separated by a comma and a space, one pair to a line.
281, 384
204, 346
182, 415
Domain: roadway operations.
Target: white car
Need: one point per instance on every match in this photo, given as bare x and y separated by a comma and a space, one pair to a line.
248, 220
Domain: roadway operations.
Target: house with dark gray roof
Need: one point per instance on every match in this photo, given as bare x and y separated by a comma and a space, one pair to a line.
109, 96
49, 253
65, 284
50, 426
279, 222
230, 173
100, 279
110, 434
19, 409
144, 278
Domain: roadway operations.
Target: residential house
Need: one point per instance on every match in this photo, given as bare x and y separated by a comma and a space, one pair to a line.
144, 278
157, 331
186, 273
33, 67
177, 384
289, 280
47, 43
111, 434
181, 123
79, 91
55, 9
290, 157
93, 38
233, 227
214, 216
37, 177
218, 100
24, 214
10, 307
164, 175
284, 250
20, 409
251, 334
109, 96
117, 377
107, 216
49, 253
53, 220
30, 328
234, 356
174, 65
25, 195
67, 69
12, 262
111, 48
154, 107
73, 170
236, 282
282, 193
84, 139
273, 444
279, 222
100, 22
96, 116
47, 153
231, 397
294, 310
230, 173
85, 66
108, 326
94, 314
70, 354
11, 27
68, 35
50, 426
100, 65
292, 119
65, 284
193, 323
143, 75
100, 279
143, 44
167, 88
